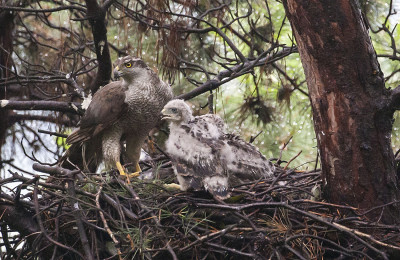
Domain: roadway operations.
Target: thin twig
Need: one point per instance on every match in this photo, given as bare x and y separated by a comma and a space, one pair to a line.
116, 242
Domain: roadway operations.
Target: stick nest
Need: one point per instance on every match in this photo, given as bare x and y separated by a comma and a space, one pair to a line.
75, 216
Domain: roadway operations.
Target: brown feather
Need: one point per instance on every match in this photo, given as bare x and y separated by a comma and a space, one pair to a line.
106, 107
87, 158
79, 136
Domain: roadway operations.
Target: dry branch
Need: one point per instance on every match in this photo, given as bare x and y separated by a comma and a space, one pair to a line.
69, 107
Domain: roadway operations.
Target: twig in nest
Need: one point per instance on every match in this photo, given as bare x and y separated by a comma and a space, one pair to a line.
283, 148
292, 160
78, 217
154, 218
116, 242
361, 234
209, 236
43, 230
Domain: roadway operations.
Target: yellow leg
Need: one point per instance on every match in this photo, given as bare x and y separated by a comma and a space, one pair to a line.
121, 169
128, 175
138, 168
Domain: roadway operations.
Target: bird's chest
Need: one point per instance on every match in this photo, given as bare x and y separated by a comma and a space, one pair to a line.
143, 108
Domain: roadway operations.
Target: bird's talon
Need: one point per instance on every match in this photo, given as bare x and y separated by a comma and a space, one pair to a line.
133, 175
122, 172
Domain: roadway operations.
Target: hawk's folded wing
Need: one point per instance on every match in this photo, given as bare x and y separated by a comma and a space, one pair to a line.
106, 107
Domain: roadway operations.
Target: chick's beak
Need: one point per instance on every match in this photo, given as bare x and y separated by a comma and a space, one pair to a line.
164, 114
163, 111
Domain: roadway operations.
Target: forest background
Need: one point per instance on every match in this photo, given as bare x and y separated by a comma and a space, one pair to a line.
56, 50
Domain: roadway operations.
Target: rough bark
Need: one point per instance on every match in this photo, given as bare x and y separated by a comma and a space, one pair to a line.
96, 15
350, 104
6, 38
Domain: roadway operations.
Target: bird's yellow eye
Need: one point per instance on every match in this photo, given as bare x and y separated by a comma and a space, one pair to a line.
128, 65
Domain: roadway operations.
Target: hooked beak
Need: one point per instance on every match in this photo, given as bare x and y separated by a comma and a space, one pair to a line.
164, 114
117, 73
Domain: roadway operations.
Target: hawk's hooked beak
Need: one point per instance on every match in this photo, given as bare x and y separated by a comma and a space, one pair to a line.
117, 73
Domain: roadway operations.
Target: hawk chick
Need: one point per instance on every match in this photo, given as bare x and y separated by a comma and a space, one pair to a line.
123, 110
204, 155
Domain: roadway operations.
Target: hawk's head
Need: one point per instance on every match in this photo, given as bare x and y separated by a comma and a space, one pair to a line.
177, 111
129, 67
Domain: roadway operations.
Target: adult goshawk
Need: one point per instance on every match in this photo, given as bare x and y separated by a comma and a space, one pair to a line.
205, 156
123, 110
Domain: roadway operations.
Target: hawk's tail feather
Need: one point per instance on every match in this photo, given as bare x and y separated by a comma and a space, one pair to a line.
70, 156
86, 157
79, 136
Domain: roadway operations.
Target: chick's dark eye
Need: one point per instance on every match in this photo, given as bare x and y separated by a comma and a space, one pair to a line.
128, 65
174, 110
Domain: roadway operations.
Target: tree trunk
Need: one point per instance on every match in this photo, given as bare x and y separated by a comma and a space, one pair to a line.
350, 104
97, 15
6, 38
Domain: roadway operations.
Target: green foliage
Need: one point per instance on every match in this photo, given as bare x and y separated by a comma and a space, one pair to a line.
62, 142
